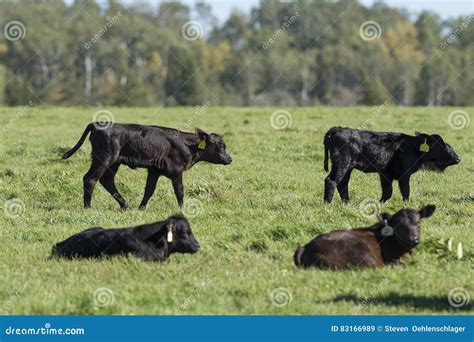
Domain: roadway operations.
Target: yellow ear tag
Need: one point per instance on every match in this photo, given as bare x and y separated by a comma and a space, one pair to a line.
424, 147
169, 238
202, 145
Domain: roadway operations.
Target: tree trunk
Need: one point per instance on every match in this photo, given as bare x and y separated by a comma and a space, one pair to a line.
431, 93
406, 94
304, 84
438, 97
250, 84
44, 70
88, 71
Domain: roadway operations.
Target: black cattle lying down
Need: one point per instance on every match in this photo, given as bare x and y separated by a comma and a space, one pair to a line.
394, 156
162, 151
384, 243
153, 242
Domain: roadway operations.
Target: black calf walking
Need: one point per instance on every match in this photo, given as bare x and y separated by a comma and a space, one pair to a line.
394, 156
162, 151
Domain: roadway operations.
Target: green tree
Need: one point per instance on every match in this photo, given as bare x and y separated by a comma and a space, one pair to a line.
181, 83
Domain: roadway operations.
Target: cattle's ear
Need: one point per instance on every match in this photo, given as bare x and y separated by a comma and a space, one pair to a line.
202, 135
427, 211
436, 138
384, 217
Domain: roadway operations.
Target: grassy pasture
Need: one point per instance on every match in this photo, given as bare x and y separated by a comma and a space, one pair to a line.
249, 217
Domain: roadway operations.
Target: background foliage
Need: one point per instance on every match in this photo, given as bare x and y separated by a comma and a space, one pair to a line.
320, 58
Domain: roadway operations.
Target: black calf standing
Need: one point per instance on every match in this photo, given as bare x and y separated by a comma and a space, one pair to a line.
394, 156
153, 242
162, 151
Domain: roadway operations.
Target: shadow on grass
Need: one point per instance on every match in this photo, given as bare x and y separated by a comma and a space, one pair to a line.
406, 300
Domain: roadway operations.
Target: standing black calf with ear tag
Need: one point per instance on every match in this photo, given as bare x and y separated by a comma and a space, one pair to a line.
394, 156
162, 151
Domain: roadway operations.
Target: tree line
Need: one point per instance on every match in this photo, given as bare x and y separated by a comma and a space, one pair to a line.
291, 54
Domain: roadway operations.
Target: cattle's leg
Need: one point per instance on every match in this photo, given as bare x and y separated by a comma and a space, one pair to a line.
387, 188
404, 184
151, 180
90, 179
329, 185
343, 187
335, 177
108, 183
178, 189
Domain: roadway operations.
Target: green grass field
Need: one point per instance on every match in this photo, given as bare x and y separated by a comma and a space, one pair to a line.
248, 217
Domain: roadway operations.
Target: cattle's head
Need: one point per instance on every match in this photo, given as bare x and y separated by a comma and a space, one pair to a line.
437, 154
180, 237
405, 225
214, 148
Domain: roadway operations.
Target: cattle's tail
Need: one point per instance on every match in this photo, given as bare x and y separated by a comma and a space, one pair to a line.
297, 256
79, 143
327, 137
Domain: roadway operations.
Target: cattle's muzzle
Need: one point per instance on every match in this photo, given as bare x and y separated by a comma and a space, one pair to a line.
413, 242
454, 161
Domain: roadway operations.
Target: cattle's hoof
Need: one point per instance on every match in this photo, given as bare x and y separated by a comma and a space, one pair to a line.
142, 207
125, 207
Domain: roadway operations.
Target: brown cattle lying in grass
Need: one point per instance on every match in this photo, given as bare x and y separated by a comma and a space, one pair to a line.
382, 244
